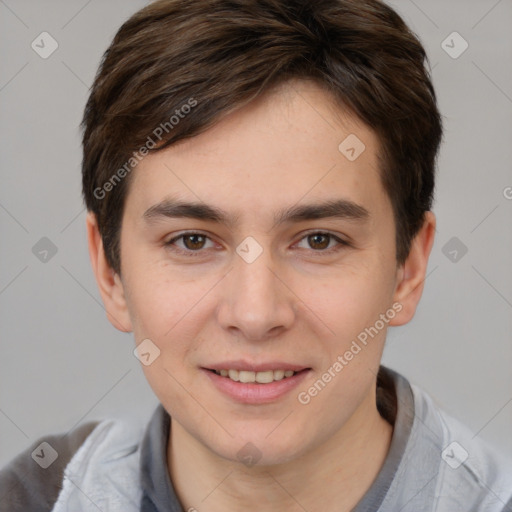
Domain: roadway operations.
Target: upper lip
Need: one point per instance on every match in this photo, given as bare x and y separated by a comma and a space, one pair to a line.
241, 365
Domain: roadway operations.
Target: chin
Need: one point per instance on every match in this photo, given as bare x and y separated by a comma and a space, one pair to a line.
259, 449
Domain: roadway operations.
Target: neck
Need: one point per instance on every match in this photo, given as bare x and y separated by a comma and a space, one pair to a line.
332, 477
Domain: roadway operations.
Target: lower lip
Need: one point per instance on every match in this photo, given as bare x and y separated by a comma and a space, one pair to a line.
254, 393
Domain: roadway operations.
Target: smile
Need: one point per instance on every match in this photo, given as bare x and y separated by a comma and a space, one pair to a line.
265, 377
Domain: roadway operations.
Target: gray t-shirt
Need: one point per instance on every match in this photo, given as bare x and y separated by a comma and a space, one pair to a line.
427, 463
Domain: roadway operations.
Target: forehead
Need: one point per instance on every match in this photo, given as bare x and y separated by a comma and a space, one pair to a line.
291, 144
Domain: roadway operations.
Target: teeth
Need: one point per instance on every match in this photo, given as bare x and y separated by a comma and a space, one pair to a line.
264, 377
233, 375
278, 374
244, 376
259, 377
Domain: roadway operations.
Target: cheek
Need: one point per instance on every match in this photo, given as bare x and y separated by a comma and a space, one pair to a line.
351, 307
156, 304
166, 312
352, 298
171, 311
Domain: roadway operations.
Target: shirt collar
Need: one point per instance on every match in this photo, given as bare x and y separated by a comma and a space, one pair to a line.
157, 490
395, 402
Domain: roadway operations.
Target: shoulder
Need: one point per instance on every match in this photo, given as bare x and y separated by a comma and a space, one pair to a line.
33, 479
470, 470
105, 470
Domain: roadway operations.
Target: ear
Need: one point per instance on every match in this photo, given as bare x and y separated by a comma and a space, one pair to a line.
109, 283
411, 275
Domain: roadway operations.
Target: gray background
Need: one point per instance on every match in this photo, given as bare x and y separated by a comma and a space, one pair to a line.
62, 362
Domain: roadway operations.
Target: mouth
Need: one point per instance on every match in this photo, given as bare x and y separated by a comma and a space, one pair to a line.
255, 384
261, 377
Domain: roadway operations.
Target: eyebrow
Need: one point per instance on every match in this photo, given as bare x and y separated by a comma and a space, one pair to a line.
173, 208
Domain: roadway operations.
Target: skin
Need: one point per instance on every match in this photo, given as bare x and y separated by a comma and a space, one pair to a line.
294, 303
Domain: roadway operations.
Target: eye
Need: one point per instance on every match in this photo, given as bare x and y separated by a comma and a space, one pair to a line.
192, 243
320, 241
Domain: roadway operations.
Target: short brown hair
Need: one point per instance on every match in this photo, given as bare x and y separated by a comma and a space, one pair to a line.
215, 56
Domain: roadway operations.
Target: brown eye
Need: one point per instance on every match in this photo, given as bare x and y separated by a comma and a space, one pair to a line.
319, 241
322, 243
190, 244
194, 241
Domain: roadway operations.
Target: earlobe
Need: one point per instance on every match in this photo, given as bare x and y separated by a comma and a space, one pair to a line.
109, 283
411, 275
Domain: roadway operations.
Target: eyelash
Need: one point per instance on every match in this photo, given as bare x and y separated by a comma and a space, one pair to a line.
191, 253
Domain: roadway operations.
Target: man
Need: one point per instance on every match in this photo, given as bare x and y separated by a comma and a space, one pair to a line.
259, 177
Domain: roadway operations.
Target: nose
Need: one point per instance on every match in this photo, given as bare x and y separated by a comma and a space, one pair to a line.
256, 304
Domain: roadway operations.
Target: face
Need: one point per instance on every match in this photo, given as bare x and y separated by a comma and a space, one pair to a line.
263, 246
